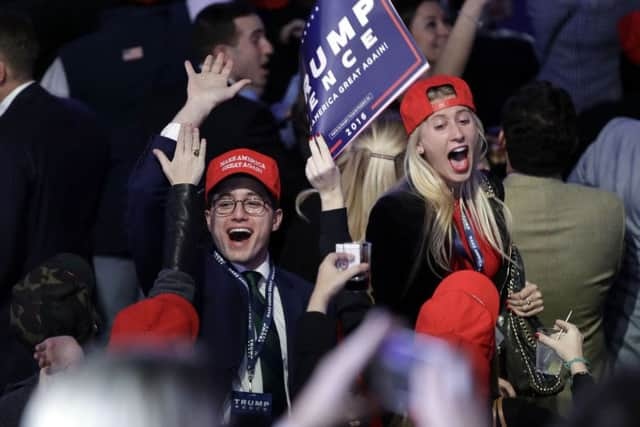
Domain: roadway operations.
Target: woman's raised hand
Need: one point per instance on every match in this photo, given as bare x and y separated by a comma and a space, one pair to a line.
323, 174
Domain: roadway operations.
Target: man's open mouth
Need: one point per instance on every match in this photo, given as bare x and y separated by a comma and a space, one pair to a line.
239, 234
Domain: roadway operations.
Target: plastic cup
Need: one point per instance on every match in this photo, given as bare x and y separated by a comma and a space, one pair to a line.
547, 360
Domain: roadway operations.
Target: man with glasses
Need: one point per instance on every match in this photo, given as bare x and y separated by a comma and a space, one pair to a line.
242, 192
248, 308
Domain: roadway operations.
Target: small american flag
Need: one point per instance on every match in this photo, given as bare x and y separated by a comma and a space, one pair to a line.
132, 54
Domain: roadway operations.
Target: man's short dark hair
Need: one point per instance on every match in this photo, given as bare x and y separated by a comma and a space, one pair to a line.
18, 44
214, 25
540, 127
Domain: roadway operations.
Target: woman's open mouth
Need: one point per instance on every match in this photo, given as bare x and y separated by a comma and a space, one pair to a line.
459, 159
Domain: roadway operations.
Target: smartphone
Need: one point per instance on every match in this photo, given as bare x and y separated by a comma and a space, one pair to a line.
404, 358
361, 252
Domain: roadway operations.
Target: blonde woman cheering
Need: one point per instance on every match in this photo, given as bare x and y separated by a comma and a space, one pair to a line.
445, 215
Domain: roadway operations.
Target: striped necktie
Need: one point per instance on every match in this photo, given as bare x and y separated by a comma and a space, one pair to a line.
270, 356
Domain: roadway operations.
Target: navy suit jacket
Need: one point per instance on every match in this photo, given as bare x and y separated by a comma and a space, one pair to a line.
52, 169
224, 304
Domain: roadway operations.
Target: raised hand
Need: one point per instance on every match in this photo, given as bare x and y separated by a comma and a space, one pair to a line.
57, 354
208, 88
440, 388
527, 302
323, 174
331, 279
188, 163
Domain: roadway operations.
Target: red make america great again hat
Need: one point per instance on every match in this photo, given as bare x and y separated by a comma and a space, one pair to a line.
416, 107
247, 162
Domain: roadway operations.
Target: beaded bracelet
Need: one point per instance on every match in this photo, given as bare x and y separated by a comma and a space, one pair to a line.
568, 363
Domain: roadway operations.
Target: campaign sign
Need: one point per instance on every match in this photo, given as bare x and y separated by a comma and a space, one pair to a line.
358, 57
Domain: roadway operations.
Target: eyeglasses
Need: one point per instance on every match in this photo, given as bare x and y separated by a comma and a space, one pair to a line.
226, 206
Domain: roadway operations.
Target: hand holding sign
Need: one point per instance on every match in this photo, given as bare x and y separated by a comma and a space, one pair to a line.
323, 174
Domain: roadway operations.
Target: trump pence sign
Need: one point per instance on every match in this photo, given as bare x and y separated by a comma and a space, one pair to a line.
357, 58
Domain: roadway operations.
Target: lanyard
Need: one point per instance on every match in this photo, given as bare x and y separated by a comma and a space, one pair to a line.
478, 259
254, 345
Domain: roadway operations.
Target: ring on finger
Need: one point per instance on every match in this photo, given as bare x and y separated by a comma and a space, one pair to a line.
196, 152
528, 302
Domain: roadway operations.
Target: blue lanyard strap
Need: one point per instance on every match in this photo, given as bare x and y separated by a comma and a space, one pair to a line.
254, 344
478, 259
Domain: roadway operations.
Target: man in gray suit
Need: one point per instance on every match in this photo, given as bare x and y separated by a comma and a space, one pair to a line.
611, 163
571, 237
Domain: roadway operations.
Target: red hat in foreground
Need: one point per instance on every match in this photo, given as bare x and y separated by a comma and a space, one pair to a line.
161, 321
629, 34
247, 162
415, 107
463, 311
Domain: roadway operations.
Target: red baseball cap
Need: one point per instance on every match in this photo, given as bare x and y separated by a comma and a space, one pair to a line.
629, 34
155, 322
247, 162
463, 311
416, 107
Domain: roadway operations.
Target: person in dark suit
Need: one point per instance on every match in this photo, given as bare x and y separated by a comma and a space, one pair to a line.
51, 174
248, 307
131, 43
235, 30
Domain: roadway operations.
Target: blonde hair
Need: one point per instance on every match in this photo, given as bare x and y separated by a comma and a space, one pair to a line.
369, 167
474, 200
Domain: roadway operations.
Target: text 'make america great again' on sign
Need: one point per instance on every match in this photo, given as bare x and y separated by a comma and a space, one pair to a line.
358, 57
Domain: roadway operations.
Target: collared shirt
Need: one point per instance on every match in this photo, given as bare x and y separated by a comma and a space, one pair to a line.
241, 382
6, 102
